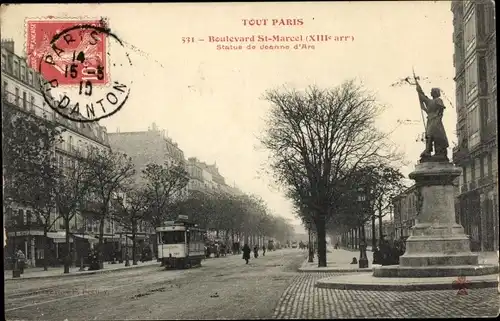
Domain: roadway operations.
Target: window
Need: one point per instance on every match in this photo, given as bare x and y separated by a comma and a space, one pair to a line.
174, 237
4, 61
17, 96
21, 216
494, 163
23, 73
492, 105
481, 169
473, 170
39, 254
5, 91
30, 77
464, 175
32, 102
25, 100
28, 217
460, 96
473, 125
89, 225
471, 77
490, 164
70, 143
470, 31
16, 68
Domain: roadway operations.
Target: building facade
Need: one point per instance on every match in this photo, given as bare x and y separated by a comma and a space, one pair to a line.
405, 212
145, 147
474, 60
21, 91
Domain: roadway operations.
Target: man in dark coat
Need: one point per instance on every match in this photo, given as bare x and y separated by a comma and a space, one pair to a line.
246, 253
264, 250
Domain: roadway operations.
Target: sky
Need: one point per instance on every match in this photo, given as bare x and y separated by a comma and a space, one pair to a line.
209, 100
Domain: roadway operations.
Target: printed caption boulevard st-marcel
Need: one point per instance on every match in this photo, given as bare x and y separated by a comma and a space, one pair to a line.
272, 41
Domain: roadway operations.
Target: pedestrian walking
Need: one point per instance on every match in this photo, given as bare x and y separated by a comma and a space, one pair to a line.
21, 260
255, 251
264, 250
246, 253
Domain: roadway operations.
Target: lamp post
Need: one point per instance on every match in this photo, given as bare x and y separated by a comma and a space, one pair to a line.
82, 265
127, 262
363, 260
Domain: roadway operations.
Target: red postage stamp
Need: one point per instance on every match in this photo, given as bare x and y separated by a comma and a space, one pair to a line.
79, 51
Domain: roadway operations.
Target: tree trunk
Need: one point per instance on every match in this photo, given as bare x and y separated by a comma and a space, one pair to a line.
380, 229
321, 238
100, 244
374, 239
67, 257
45, 248
134, 258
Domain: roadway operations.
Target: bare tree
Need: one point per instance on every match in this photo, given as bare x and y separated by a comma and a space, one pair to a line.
129, 210
30, 166
110, 171
163, 186
71, 190
317, 138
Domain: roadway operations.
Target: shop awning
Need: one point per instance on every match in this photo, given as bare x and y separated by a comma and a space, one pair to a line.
58, 237
87, 237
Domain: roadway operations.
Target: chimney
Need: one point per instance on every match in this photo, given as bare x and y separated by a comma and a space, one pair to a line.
8, 44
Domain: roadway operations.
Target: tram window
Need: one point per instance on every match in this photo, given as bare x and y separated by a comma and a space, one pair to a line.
174, 237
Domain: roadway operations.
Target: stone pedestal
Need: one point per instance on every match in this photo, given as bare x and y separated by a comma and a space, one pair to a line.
436, 238
437, 246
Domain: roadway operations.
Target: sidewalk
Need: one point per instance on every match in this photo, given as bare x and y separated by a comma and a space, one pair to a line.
338, 261
54, 272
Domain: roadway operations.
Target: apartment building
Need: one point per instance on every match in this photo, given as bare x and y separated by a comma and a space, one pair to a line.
21, 91
474, 60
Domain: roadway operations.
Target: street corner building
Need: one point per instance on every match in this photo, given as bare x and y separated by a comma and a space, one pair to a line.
476, 153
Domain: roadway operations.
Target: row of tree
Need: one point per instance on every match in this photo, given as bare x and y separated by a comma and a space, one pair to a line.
103, 184
330, 158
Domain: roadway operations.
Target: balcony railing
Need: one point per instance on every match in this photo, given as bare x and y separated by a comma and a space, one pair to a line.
483, 181
48, 114
39, 111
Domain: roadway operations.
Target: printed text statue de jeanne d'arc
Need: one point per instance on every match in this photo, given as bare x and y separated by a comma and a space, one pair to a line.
435, 135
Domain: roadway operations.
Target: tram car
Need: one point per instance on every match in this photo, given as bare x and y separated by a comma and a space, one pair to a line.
181, 244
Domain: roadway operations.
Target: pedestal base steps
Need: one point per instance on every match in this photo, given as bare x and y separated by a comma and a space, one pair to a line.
368, 282
397, 271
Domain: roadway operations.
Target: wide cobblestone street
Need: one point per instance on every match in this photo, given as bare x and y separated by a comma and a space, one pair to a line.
302, 300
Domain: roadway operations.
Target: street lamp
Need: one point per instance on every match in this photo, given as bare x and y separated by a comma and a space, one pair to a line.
363, 260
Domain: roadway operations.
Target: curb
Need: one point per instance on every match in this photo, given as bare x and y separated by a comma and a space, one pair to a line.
406, 287
78, 274
327, 269
304, 269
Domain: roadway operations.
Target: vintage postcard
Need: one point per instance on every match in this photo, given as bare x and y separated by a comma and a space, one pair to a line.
250, 160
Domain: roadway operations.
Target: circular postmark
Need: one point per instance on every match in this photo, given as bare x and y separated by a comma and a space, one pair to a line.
77, 81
